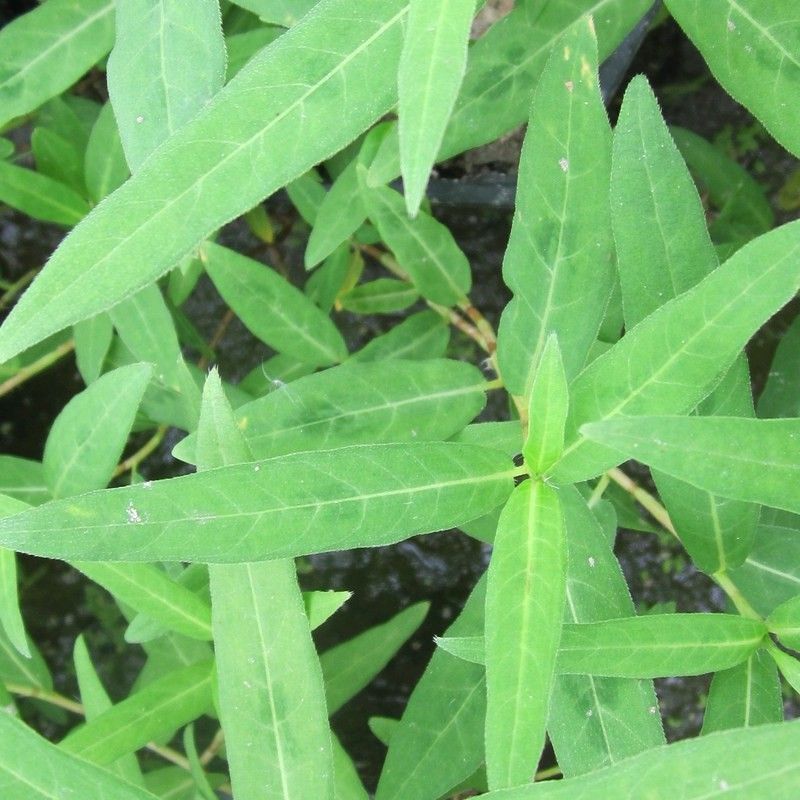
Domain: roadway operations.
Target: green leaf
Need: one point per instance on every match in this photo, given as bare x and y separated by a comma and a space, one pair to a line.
781, 395
92, 340
271, 696
320, 606
746, 459
88, 436
31, 768
658, 645
274, 310
278, 12
347, 784
784, 622
57, 159
273, 374
307, 194
757, 764
243, 46
467, 648
348, 667
597, 721
558, 262
432, 67
439, 741
770, 575
751, 48
361, 404
158, 709
503, 436
40, 197
423, 246
547, 410
381, 296
504, 67
95, 701
151, 591
46, 50
525, 597
672, 359
23, 480
10, 614
105, 168
745, 695
165, 66
423, 335
788, 665
183, 193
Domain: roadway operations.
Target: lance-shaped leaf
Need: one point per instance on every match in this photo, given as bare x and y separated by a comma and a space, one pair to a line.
58, 158
558, 261
274, 310
524, 609
183, 193
151, 591
751, 48
31, 768
784, 622
659, 645
432, 66
381, 296
321, 606
745, 695
23, 480
46, 50
597, 721
366, 495
278, 12
421, 336
770, 575
88, 436
439, 741
781, 395
423, 246
92, 340
361, 404
547, 410
348, 667
672, 359
272, 701
347, 783
165, 66
10, 614
39, 196
504, 66
788, 665
663, 249
105, 167
746, 459
155, 711
757, 764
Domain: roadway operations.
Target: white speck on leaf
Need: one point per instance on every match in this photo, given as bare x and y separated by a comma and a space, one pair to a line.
591, 561
570, 85
731, 25
256, 468
653, 709
140, 119
723, 784
589, 712
133, 515
147, 485
564, 164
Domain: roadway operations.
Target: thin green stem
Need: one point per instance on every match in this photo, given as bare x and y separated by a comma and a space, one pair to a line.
496, 383
599, 490
133, 461
550, 772
722, 580
644, 498
41, 364
11, 290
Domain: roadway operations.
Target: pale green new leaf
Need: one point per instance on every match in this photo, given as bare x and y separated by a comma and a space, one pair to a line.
746, 459
157, 710
597, 721
272, 701
361, 404
31, 768
525, 595
150, 591
105, 168
95, 701
432, 66
755, 764
547, 410
672, 359
88, 436
745, 695
168, 61
784, 622
348, 667
183, 192
274, 310
423, 247
40, 197
752, 49
659, 645
558, 262
503, 68
439, 741
46, 50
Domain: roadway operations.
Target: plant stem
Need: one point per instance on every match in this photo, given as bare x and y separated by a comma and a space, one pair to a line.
737, 598
213, 747
550, 772
481, 323
644, 498
133, 461
457, 321
598, 491
36, 367
13, 289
